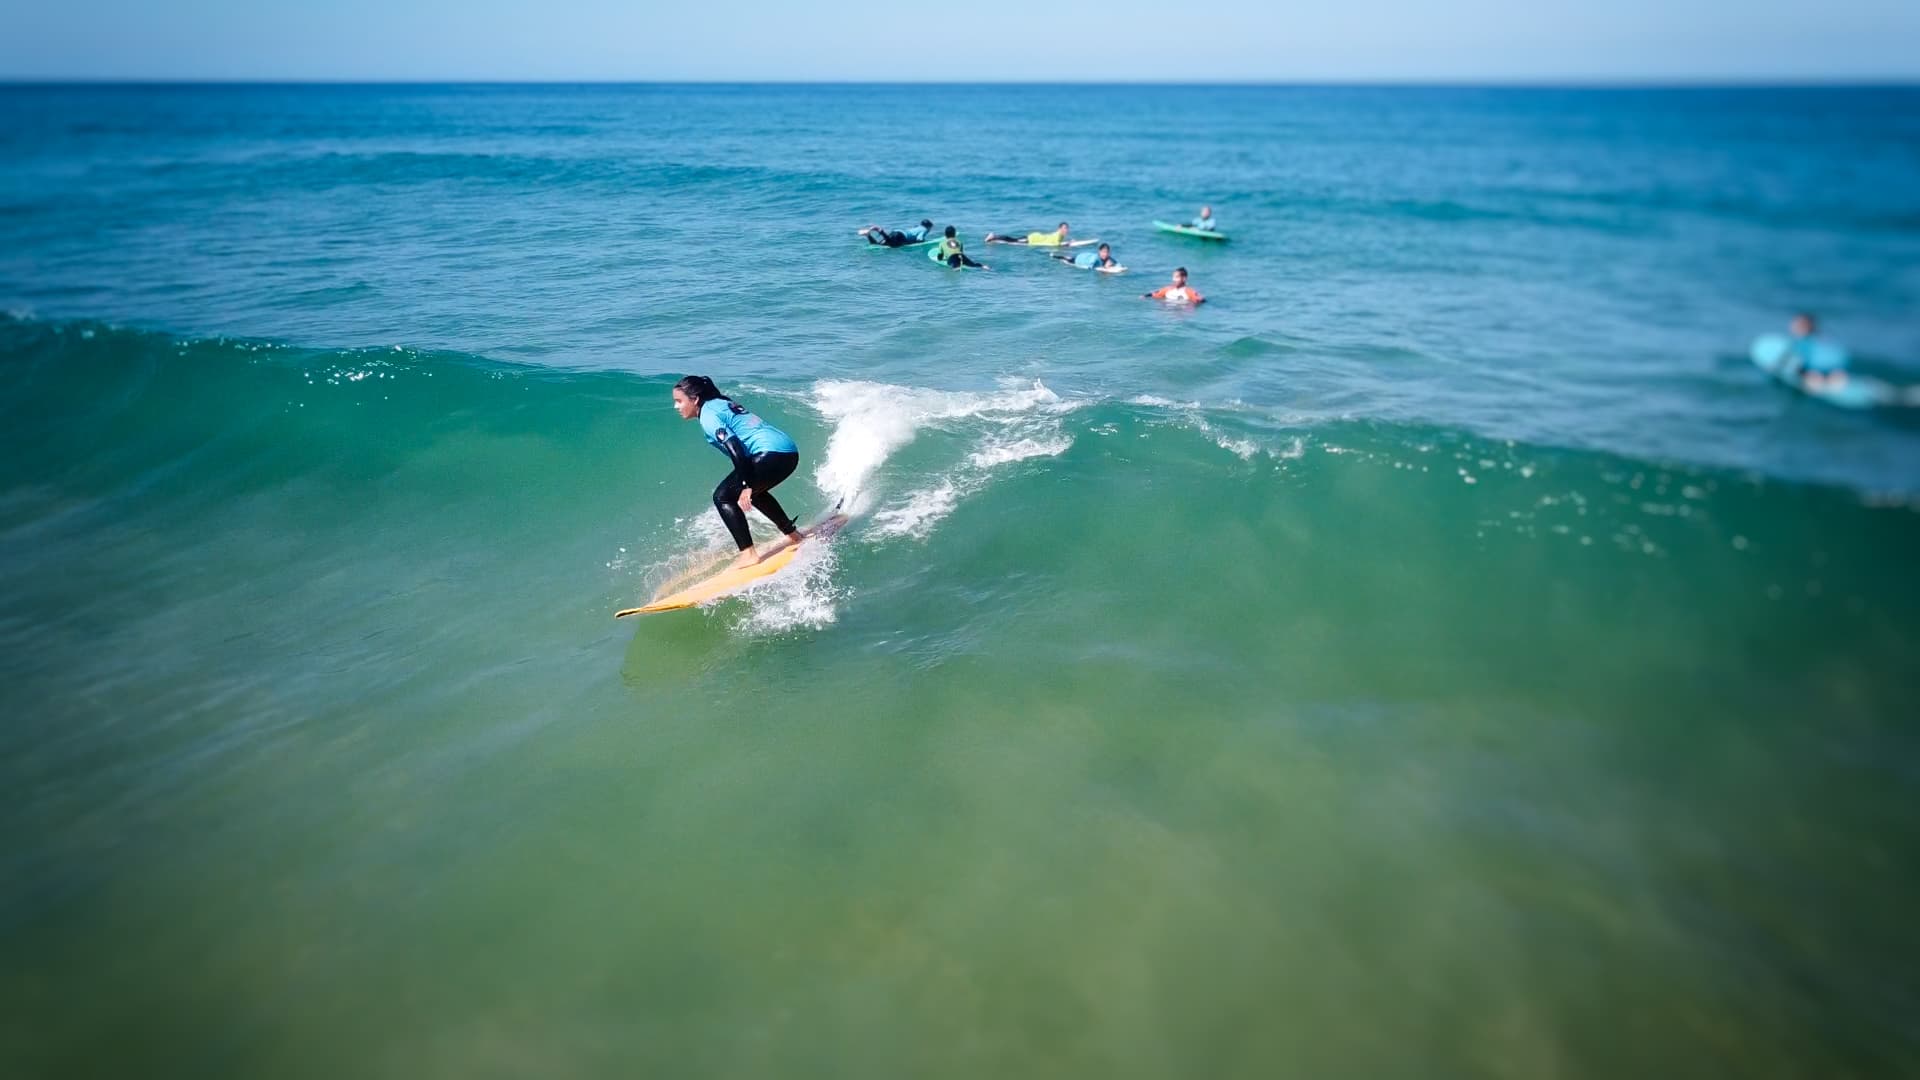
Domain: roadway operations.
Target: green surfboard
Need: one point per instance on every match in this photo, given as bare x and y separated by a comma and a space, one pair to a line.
1188, 230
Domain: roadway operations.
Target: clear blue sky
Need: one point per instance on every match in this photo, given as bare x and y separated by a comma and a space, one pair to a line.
965, 40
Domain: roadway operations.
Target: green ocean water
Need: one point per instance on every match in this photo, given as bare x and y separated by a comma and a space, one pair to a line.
1249, 691
339, 765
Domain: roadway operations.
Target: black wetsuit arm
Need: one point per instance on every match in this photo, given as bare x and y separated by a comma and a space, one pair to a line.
742, 461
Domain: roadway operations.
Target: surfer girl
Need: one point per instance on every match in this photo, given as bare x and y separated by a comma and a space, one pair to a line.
762, 456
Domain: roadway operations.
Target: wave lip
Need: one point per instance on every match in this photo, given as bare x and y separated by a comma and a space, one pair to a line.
873, 420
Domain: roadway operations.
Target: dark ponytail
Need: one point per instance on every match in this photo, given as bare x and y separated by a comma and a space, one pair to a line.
701, 389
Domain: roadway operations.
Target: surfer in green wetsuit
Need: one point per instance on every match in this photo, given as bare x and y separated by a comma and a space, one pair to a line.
950, 252
880, 237
762, 457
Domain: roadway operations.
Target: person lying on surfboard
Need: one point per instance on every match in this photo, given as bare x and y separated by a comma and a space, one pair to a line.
953, 254
1206, 221
1056, 238
1818, 368
1101, 258
898, 237
762, 456
1178, 292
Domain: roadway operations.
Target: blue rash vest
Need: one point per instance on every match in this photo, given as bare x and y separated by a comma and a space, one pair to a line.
753, 433
1818, 355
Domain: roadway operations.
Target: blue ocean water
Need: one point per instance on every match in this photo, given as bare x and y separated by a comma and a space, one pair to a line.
1440, 653
1574, 267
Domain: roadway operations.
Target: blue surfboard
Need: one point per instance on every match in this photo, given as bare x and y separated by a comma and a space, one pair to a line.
1775, 355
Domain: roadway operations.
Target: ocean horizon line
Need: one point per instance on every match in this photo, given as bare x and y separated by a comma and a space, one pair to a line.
1704, 82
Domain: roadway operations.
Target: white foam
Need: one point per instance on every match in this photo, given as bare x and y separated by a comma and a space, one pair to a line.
872, 420
1001, 452
801, 597
1191, 414
921, 510
1244, 449
1155, 401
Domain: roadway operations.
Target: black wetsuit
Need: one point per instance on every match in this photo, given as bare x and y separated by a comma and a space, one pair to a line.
762, 456
895, 238
762, 473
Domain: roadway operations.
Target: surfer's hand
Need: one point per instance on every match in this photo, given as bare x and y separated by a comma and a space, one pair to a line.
746, 500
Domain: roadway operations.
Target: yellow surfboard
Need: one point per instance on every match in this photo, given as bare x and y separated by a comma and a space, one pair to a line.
772, 561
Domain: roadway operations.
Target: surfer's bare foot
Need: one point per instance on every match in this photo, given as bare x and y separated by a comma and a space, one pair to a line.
746, 558
794, 538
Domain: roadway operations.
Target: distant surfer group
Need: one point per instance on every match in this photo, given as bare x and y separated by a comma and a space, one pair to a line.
947, 248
